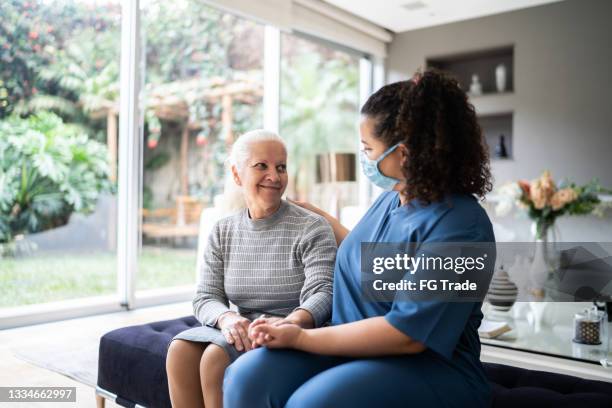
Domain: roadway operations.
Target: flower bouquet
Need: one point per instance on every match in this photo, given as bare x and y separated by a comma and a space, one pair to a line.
545, 201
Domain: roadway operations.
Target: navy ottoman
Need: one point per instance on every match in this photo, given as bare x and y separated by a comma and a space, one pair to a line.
517, 387
132, 372
132, 362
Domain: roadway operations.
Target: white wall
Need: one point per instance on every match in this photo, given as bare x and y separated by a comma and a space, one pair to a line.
562, 88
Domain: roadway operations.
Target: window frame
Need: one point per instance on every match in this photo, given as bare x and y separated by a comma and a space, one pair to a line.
130, 182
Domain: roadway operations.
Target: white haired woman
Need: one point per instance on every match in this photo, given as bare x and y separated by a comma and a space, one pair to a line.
273, 258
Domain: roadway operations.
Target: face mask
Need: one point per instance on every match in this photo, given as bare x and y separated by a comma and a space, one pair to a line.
372, 172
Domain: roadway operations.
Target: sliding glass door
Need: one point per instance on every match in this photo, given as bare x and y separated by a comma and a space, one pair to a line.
59, 92
203, 87
319, 112
104, 194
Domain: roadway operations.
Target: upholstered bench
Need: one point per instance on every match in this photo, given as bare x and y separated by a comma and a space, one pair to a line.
132, 372
132, 363
516, 387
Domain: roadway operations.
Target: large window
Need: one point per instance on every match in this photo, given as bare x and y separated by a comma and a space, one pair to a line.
59, 74
76, 177
318, 118
203, 88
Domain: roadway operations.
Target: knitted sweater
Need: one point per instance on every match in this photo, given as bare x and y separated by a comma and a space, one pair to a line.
272, 265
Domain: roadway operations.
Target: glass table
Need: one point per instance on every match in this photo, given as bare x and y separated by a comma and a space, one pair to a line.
546, 328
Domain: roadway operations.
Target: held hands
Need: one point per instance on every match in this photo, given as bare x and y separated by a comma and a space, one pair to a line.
272, 321
273, 332
279, 334
235, 329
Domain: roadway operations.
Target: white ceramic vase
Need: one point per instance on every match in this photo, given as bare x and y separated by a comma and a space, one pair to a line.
501, 77
475, 86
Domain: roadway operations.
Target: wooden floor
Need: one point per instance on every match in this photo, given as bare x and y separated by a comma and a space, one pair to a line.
15, 372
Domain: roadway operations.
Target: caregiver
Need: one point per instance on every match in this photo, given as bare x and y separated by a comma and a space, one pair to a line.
421, 139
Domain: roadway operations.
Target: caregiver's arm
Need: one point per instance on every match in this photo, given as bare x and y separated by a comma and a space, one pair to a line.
340, 231
365, 338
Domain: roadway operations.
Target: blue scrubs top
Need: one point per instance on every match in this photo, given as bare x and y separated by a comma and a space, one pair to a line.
449, 330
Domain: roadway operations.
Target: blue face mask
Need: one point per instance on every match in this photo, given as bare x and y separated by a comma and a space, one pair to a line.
372, 172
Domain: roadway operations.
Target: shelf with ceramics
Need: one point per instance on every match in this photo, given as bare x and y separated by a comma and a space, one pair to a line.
497, 130
480, 72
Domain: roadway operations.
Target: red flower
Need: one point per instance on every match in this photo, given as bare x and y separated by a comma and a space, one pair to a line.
201, 140
526, 187
33, 35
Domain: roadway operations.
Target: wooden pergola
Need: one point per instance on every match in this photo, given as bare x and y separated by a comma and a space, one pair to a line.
171, 102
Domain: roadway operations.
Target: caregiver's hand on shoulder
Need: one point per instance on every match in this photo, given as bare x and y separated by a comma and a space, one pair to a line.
281, 336
340, 231
235, 329
309, 207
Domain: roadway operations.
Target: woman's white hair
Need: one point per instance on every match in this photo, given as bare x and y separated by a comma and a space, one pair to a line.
241, 150
232, 198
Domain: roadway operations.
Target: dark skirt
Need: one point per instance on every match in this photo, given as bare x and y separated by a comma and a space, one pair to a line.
206, 334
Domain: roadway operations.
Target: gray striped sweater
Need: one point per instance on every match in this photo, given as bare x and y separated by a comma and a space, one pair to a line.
272, 265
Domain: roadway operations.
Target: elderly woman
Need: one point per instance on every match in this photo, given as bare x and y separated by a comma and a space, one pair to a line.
273, 258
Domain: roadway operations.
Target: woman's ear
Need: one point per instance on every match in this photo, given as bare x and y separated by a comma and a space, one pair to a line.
403, 154
236, 176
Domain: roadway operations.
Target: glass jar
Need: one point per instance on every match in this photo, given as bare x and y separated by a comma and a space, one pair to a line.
589, 326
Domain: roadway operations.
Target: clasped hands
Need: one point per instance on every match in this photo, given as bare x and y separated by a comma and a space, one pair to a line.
245, 335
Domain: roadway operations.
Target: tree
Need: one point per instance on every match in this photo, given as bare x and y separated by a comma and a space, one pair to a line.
39, 44
23, 42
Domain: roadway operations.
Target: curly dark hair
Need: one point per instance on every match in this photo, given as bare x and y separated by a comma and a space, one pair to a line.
430, 114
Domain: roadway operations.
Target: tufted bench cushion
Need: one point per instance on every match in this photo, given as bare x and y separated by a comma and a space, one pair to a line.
132, 366
517, 387
132, 362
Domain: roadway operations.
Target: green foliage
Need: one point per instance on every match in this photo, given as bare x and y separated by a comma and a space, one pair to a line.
42, 67
191, 39
158, 161
63, 56
588, 199
21, 51
186, 39
51, 277
48, 169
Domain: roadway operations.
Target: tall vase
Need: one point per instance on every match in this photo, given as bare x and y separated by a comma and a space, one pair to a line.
500, 77
541, 264
538, 273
